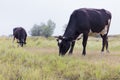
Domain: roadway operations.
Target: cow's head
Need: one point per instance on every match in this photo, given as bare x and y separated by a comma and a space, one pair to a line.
21, 42
63, 44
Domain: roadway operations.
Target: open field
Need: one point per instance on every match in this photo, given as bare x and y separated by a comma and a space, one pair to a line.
39, 60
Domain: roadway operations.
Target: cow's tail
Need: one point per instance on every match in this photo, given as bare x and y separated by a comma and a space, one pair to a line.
109, 22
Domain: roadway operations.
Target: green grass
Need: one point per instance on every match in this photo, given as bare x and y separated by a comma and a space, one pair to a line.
39, 60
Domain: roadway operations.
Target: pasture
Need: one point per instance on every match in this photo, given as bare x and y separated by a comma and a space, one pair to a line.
39, 60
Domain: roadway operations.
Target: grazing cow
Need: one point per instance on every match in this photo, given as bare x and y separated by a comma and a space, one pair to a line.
20, 34
83, 21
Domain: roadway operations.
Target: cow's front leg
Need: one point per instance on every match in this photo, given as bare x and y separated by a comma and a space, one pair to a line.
72, 47
84, 43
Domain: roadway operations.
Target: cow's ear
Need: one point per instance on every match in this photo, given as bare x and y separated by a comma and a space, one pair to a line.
59, 38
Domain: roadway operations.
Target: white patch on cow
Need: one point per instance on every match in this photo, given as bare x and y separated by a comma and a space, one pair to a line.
59, 41
109, 20
104, 31
80, 36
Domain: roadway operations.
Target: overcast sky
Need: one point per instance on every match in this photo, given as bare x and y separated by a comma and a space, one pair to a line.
26, 13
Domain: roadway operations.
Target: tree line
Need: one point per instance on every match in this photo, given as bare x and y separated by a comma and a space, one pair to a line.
43, 29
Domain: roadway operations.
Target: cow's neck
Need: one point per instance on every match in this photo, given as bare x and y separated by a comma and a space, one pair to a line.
70, 34
70, 31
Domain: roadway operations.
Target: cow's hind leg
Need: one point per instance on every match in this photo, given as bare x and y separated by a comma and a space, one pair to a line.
107, 45
104, 43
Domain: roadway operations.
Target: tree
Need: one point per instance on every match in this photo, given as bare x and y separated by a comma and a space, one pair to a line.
43, 29
36, 30
49, 28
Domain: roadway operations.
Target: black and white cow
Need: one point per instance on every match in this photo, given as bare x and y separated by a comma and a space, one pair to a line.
83, 21
20, 34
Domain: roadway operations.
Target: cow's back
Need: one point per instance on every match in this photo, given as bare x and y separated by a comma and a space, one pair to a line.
19, 32
94, 19
98, 19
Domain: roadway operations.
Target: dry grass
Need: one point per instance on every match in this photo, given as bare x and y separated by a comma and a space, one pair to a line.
39, 60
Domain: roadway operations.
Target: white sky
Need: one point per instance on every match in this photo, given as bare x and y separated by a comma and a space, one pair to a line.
26, 13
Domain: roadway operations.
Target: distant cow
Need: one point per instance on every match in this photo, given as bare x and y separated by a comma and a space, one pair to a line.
20, 34
83, 21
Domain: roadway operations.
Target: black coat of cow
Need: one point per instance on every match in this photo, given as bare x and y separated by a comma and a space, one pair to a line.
83, 21
20, 34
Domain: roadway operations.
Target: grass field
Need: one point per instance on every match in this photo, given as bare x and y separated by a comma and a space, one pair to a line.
39, 60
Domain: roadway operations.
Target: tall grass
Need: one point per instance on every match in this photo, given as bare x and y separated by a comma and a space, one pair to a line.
39, 60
